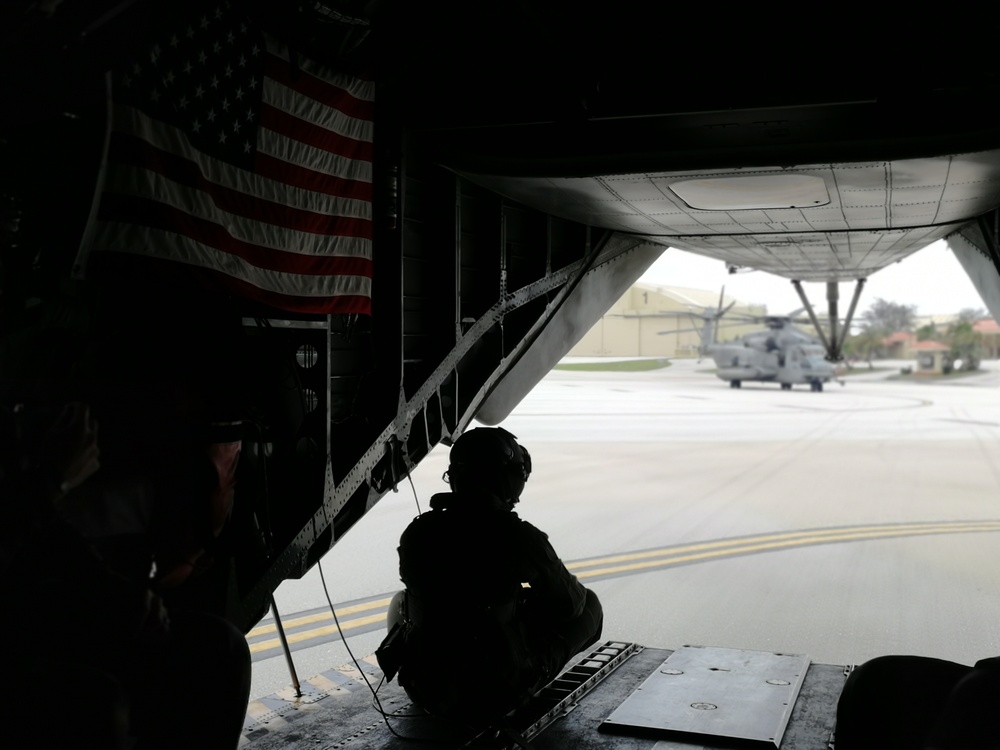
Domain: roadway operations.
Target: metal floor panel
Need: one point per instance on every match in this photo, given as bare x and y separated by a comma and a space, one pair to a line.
345, 718
715, 694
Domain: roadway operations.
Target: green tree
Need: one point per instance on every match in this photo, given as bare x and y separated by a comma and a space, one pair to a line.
927, 332
888, 317
966, 345
972, 314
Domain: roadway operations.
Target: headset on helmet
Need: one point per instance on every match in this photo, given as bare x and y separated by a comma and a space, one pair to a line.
478, 454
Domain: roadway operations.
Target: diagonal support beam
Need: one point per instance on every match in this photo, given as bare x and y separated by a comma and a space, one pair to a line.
990, 237
834, 345
812, 315
858, 286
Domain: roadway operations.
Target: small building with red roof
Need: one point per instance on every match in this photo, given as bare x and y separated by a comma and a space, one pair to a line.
932, 357
899, 345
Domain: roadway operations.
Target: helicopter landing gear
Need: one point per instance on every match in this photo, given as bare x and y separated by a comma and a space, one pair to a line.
816, 386
735, 383
786, 386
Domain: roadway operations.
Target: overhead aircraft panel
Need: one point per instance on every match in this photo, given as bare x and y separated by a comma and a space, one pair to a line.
819, 222
818, 257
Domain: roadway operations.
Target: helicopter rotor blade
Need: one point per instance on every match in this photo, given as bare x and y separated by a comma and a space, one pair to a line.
727, 309
699, 330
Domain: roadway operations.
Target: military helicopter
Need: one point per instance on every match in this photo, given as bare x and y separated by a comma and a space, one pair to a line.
782, 354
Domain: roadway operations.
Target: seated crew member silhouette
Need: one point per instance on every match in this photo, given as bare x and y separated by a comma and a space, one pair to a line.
470, 641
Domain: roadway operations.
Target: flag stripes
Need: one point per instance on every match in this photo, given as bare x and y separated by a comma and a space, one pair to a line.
231, 155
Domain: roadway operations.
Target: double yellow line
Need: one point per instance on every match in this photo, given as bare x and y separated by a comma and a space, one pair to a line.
321, 632
633, 562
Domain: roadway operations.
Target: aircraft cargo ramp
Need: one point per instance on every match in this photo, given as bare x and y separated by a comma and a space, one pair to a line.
620, 696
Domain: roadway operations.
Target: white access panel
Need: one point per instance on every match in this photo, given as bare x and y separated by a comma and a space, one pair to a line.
724, 694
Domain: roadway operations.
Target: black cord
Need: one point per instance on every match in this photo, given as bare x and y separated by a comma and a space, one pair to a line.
343, 640
376, 703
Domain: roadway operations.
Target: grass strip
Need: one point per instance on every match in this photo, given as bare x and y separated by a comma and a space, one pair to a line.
622, 365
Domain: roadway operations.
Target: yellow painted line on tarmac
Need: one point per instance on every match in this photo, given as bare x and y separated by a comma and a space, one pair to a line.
812, 534
646, 560
320, 617
744, 546
306, 635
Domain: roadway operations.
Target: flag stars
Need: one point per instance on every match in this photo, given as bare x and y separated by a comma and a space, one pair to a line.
253, 83
236, 126
199, 92
249, 115
183, 103
229, 72
168, 78
222, 136
246, 147
136, 70
255, 50
230, 37
189, 33
239, 94
204, 22
174, 41
217, 48
214, 82
196, 126
211, 115
154, 53
225, 105
188, 66
243, 61
218, 12
202, 57
155, 96
243, 28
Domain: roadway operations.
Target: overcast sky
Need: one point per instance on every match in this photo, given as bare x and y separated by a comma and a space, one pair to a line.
932, 279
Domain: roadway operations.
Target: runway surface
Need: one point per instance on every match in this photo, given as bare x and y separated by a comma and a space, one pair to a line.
844, 524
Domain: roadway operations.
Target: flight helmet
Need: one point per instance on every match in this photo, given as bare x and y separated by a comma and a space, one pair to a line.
489, 459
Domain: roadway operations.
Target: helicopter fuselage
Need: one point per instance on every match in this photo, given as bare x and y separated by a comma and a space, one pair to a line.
768, 359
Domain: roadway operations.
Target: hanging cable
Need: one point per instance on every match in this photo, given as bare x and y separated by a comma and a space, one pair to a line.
376, 703
350, 653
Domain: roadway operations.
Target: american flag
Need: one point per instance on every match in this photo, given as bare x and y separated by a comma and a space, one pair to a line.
230, 153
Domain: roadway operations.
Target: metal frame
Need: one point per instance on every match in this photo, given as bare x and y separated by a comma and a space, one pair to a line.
391, 441
834, 345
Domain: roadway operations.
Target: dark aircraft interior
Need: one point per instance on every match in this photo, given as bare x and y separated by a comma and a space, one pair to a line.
529, 160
